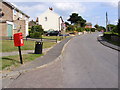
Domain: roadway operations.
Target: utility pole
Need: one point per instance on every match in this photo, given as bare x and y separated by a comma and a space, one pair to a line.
106, 22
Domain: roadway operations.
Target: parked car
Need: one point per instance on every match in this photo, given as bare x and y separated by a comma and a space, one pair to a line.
52, 33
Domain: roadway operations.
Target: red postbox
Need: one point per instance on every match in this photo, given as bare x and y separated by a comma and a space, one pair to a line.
18, 39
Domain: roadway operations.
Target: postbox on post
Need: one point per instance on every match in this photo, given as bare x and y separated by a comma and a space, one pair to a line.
18, 41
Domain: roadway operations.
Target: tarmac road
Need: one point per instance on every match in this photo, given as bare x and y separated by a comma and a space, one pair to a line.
85, 63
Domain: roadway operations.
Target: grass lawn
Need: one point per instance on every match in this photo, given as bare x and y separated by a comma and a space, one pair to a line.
9, 62
111, 33
14, 61
113, 42
8, 45
109, 40
59, 38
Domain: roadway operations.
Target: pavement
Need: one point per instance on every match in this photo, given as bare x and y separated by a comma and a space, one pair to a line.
103, 41
43, 61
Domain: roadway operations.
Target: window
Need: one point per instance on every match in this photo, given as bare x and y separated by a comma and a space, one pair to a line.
45, 18
14, 12
14, 26
20, 15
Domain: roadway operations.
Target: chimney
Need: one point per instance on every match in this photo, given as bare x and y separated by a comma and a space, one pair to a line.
50, 8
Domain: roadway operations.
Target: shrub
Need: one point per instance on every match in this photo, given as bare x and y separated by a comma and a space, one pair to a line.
80, 29
87, 29
36, 31
35, 35
92, 29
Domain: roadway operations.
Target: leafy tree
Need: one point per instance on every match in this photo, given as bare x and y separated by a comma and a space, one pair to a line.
118, 27
75, 19
96, 26
66, 23
101, 28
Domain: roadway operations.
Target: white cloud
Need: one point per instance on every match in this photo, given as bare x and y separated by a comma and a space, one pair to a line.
62, 0
34, 11
113, 3
72, 7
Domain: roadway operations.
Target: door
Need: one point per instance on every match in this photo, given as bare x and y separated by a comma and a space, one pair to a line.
9, 29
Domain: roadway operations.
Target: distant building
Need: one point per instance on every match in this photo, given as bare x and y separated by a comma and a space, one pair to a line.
88, 25
50, 20
32, 23
12, 20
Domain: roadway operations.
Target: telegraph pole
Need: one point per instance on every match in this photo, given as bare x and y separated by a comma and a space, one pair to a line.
106, 22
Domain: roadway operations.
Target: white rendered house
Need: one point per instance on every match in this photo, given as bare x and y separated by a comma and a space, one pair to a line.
50, 20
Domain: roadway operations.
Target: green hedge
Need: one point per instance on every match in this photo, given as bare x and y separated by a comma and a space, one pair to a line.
35, 35
36, 31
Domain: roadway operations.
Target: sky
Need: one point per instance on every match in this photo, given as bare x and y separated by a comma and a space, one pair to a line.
93, 11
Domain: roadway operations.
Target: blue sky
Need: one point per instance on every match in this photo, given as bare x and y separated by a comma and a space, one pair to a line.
93, 12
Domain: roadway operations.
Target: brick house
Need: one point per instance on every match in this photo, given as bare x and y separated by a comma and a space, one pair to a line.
12, 20
88, 25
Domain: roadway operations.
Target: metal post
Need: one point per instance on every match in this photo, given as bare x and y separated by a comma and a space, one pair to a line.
26, 38
20, 55
56, 39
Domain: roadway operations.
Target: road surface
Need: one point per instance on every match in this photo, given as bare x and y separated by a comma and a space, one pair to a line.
84, 63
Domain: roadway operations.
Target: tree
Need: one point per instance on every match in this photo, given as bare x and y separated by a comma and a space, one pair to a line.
66, 23
99, 28
118, 27
75, 19
96, 26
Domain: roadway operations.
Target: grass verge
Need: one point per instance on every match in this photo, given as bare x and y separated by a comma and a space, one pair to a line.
9, 62
113, 42
8, 45
59, 38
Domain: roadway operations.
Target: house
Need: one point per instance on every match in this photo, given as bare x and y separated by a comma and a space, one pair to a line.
32, 23
88, 25
12, 20
51, 20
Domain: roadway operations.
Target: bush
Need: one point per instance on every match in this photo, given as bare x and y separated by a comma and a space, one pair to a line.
92, 29
87, 29
80, 29
70, 28
107, 36
35, 35
36, 31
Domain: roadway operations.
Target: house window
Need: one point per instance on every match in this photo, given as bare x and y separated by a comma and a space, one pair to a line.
14, 26
45, 18
20, 15
14, 12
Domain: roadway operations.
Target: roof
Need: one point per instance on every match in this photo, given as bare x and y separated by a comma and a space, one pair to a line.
13, 7
88, 23
50, 11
